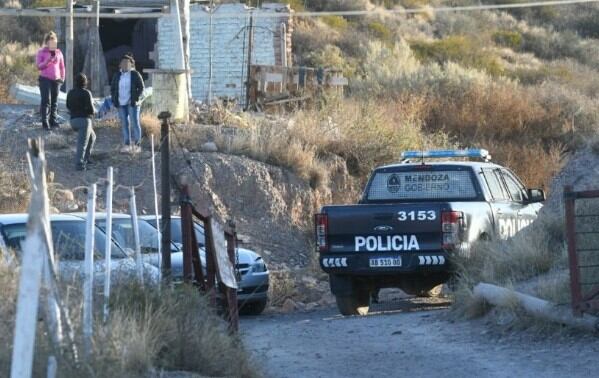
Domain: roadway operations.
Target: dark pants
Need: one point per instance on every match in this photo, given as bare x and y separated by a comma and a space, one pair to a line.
49, 101
85, 140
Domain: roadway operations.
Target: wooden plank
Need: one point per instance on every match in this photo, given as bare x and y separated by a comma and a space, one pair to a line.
339, 81
274, 77
225, 270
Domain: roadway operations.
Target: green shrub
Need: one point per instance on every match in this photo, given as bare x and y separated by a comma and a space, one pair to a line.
336, 22
461, 49
380, 31
511, 39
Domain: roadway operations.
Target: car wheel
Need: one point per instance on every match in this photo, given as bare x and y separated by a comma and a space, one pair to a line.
253, 308
356, 304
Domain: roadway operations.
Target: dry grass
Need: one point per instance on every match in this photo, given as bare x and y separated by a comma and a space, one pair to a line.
171, 330
282, 287
16, 64
150, 125
533, 252
14, 188
57, 141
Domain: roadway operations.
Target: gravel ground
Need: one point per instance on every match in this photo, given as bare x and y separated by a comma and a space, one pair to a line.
409, 337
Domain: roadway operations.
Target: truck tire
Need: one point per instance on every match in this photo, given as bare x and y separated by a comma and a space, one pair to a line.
352, 296
357, 303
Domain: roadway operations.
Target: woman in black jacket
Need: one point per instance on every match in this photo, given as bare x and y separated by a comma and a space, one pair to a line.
81, 107
127, 88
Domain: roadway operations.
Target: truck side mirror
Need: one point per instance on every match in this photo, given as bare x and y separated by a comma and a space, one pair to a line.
536, 195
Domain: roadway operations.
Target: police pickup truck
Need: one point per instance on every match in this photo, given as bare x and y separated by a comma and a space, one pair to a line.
413, 216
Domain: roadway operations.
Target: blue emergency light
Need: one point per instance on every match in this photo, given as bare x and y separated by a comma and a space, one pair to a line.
477, 153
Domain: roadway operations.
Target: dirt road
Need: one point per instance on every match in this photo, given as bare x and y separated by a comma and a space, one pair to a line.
408, 338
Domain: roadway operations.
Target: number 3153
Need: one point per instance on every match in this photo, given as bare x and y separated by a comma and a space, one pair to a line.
417, 215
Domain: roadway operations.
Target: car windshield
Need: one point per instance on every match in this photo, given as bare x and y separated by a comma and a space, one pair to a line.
177, 236
68, 238
122, 233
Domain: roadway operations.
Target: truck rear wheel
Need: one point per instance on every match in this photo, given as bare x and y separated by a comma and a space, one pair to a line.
356, 304
352, 295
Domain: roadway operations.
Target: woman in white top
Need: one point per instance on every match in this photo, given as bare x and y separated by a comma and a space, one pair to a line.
127, 89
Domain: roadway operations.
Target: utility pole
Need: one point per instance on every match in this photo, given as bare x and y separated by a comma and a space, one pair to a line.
69, 40
165, 182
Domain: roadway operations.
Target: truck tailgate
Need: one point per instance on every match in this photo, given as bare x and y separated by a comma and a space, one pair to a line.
385, 228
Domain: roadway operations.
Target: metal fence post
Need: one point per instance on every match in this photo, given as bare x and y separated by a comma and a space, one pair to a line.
165, 182
159, 233
186, 232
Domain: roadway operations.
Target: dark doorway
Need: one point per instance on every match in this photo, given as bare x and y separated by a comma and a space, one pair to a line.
136, 36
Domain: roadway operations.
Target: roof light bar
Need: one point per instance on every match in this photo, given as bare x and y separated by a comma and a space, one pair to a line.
468, 153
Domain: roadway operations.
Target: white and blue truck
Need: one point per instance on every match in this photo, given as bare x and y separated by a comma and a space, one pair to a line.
413, 217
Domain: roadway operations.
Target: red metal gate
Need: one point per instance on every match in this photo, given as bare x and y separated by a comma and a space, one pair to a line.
191, 258
582, 233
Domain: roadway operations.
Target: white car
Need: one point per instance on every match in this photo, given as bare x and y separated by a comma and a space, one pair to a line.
68, 235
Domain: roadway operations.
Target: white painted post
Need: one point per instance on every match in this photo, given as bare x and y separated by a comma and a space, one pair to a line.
158, 234
135, 224
27, 303
108, 249
31, 271
88, 272
52, 367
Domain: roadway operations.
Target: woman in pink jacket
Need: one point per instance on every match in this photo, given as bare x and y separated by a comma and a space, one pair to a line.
50, 63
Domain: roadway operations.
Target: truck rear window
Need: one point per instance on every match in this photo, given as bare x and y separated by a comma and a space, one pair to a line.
429, 185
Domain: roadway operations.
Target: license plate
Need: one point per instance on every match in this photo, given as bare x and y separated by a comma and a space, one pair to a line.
385, 262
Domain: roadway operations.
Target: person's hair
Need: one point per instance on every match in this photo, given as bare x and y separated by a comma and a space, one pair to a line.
128, 57
49, 36
80, 80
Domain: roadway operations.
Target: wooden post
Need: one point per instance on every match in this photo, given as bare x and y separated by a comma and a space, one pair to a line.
108, 250
88, 272
69, 40
135, 224
165, 181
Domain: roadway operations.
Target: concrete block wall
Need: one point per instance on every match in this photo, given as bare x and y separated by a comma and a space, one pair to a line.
229, 48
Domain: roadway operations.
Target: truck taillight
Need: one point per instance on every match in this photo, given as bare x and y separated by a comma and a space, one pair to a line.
321, 222
451, 225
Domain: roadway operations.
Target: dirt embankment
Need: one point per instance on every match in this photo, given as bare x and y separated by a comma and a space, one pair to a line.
271, 207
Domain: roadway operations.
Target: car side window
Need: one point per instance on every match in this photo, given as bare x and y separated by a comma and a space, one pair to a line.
496, 187
15, 235
514, 187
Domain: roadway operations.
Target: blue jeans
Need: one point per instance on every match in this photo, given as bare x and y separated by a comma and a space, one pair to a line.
129, 116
